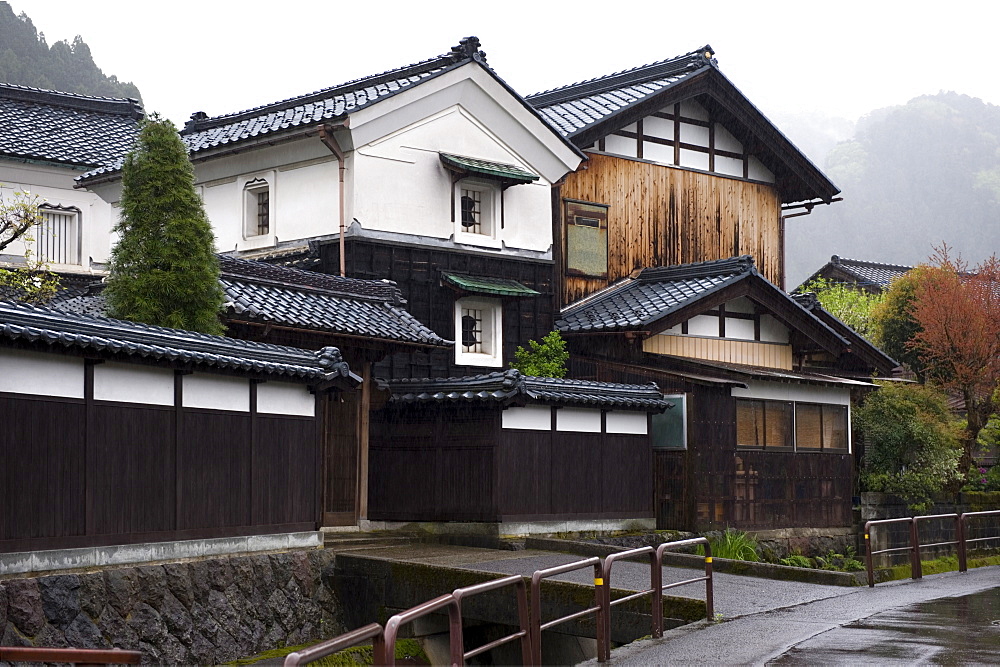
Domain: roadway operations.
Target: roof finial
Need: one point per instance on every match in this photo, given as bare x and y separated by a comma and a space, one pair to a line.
468, 48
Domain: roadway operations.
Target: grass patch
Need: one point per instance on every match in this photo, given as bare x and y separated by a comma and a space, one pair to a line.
409, 650
734, 545
937, 566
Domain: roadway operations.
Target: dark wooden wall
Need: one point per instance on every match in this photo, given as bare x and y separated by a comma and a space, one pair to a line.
79, 473
417, 272
714, 485
659, 216
441, 464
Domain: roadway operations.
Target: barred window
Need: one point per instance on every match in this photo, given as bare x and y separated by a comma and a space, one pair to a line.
257, 208
57, 236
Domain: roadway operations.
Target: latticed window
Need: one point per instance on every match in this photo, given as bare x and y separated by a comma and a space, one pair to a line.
472, 211
472, 330
263, 211
57, 236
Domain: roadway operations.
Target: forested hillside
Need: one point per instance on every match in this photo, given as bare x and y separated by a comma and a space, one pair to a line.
912, 176
27, 60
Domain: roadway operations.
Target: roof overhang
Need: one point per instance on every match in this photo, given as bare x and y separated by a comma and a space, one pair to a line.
484, 285
505, 174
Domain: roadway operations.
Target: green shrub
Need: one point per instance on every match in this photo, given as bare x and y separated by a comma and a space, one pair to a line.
796, 560
912, 445
734, 545
546, 359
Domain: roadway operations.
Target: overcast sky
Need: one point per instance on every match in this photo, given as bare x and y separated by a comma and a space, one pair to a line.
840, 58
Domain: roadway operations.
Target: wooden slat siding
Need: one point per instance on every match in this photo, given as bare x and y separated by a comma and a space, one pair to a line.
662, 215
417, 272
525, 462
627, 479
284, 483
767, 355
129, 450
42, 471
214, 450
576, 473
433, 465
341, 452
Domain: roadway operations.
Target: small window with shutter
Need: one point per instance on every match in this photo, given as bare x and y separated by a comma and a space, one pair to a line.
586, 239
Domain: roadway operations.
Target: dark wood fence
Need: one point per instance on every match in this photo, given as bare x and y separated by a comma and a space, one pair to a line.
80, 473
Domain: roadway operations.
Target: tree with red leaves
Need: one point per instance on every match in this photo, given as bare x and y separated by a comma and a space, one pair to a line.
958, 339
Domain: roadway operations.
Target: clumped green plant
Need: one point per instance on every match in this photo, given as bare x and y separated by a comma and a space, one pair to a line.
546, 359
796, 560
851, 305
734, 545
912, 445
32, 282
164, 270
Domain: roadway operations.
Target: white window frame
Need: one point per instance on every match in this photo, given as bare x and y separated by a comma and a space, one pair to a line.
492, 327
489, 211
250, 186
45, 241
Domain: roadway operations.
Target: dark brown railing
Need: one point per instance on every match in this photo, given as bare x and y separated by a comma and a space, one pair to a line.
76, 656
530, 625
961, 541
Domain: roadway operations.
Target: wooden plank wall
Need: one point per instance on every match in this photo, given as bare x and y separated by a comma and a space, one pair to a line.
115, 473
769, 355
417, 271
661, 216
714, 484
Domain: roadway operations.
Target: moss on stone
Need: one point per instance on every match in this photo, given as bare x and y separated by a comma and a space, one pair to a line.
406, 649
936, 566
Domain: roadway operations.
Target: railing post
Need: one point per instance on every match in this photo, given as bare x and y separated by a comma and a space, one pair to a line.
602, 595
917, 570
455, 640
709, 594
656, 583
378, 651
868, 555
963, 563
536, 619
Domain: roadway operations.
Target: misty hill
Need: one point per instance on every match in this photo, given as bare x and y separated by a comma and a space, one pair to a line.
912, 176
27, 60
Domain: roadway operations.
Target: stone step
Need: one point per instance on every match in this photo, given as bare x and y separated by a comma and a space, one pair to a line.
351, 541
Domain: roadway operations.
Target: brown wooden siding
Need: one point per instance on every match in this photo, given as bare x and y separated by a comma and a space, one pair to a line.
714, 484
417, 271
769, 355
80, 473
661, 215
440, 464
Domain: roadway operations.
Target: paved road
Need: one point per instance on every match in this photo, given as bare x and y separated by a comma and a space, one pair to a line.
767, 621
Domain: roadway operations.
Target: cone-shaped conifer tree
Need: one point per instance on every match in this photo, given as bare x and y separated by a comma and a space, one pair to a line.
163, 270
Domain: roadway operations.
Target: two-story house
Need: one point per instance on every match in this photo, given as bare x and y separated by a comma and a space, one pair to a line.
47, 139
438, 177
669, 253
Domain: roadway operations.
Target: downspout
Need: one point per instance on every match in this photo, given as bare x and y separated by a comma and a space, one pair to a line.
808, 206
326, 135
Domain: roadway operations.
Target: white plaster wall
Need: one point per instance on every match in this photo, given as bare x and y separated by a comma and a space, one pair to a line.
620, 145
740, 305
740, 329
282, 398
694, 159
725, 141
128, 383
694, 134
532, 418
703, 325
41, 374
578, 419
773, 331
657, 152
401, 186
691, 109
729, 166
785, 391
627, 422
216, 392
758, 172
658, 127
53, 185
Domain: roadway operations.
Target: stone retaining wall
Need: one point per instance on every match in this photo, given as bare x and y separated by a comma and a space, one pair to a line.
196, 612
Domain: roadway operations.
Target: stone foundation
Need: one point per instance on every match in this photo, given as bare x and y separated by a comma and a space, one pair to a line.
196, 612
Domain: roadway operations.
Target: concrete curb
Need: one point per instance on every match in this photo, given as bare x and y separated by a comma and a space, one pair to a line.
724, 565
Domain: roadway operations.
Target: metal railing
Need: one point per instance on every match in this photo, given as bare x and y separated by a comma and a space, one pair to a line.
530, 625
69, 655
960, 542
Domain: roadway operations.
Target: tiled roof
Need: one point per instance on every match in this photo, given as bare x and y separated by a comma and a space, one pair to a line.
203, 132
499, 170
872, 273
484, 285
121, 339
259, 292
510, 386
305, 299
76, 130
577, 106
747, 372
653, 293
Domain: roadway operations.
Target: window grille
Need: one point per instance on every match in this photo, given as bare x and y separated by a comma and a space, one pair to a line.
57, 237
472, 211
472, 330
263, 212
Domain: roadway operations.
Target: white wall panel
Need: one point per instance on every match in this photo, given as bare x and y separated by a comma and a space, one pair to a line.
216, 392
694, 159
532, 418
772, 331
725, 141
694, 134
703, 325
657, 152
627, 422
691, 109
128, 383
620, 145
784, 391
740, 305
578, 419
741, 329
658, 127
41, 374
282, 398
729, 166
758, 172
